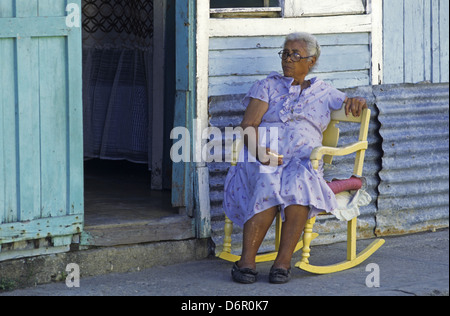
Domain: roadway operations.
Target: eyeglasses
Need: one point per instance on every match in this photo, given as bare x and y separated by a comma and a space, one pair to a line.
295, 57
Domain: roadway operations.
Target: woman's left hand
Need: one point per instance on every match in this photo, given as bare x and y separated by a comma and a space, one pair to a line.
355, 106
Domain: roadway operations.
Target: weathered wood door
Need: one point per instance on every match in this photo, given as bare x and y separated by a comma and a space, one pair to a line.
41, 152
183, 172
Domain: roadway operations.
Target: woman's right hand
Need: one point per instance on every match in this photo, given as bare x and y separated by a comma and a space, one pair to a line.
269, 158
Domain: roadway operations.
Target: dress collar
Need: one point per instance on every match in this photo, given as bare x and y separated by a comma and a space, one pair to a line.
287, 81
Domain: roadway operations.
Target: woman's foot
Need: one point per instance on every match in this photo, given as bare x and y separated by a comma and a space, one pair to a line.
279, 275
243, 275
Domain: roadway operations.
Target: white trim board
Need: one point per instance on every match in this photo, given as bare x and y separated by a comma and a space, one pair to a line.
283, 26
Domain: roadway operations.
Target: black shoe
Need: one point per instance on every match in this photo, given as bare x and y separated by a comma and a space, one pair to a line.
279, 275
244, 275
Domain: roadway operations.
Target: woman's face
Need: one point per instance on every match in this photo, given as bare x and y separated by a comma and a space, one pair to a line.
297, 70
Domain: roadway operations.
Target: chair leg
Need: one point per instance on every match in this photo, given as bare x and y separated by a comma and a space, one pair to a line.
307, 238
226, 249
351, 239
278, 232
228, 230
353, 259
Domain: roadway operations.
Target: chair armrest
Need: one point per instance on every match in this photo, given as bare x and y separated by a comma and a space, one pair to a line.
319, 152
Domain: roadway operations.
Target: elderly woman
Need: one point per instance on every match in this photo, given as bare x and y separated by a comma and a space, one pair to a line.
300, 110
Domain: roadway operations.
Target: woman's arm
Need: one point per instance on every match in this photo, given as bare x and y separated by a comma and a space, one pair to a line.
252, 119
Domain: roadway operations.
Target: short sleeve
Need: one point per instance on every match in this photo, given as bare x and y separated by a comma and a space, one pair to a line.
336, 98
259, 90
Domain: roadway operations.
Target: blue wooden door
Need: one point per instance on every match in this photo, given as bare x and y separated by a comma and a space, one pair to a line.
183, 172
41, 152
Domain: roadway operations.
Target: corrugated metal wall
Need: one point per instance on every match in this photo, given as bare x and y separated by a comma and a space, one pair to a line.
413, 145
414, 187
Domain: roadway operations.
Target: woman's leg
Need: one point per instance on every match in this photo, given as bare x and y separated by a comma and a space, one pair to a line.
255, 230
291, 231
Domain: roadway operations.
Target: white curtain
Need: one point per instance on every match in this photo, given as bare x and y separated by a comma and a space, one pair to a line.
117, 79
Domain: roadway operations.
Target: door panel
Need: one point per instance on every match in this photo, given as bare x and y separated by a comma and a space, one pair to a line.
41, 153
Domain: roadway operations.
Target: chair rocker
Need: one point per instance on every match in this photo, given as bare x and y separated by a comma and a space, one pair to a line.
325, 152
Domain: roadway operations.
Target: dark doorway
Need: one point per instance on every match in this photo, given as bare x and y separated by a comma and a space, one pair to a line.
118, 101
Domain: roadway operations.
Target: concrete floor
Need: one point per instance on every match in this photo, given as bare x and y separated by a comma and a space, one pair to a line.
409, 265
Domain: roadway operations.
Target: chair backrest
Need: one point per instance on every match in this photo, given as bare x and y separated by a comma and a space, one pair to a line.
331, 134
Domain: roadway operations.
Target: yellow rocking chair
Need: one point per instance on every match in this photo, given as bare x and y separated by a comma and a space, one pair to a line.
327, 151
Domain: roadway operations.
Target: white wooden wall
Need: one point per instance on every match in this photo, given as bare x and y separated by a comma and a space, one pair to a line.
416, 41
235, 63
389, 41
243, 50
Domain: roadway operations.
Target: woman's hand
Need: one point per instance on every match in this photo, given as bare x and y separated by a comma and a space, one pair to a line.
355, 106
270, 158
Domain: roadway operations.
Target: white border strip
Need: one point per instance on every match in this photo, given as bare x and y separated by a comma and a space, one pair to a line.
377, 41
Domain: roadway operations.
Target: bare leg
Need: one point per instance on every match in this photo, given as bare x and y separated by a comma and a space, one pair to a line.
291, 231
255, 230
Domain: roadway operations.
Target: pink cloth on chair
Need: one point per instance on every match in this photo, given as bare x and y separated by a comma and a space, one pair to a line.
338, 186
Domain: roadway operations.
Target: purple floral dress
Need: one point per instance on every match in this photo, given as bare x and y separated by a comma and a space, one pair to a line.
300, 117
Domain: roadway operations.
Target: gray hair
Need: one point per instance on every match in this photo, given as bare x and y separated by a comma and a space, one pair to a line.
312, 45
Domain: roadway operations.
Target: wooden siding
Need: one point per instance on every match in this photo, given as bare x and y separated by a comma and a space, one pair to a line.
416, 41
235, 63
41, 153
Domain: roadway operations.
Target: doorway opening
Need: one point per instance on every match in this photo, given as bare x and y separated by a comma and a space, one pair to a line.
127, 168
118, 192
